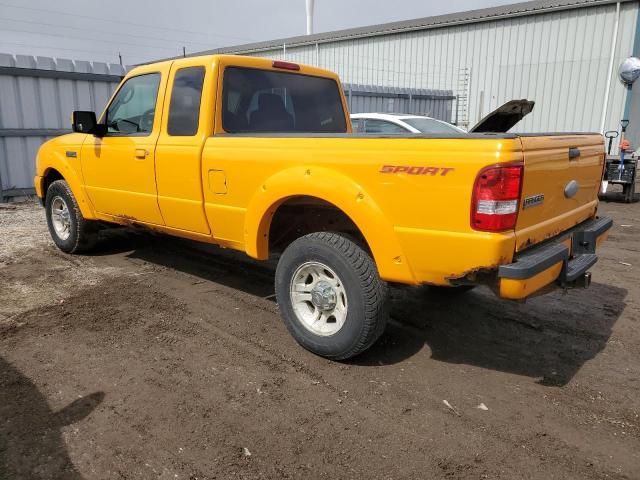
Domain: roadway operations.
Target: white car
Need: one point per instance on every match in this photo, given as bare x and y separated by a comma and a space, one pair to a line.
501, 120
400, 123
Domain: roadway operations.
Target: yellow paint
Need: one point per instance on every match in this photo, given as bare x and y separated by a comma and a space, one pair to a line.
602, 238
224, 189
520, 289
548, 169
52, 156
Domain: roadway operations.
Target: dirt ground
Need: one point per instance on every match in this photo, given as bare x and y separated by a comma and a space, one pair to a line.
159, 358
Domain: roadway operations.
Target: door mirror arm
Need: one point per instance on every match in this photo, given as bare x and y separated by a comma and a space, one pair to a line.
99, 130
85, 122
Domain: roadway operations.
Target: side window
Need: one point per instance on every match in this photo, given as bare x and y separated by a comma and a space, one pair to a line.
356, 125
382, 126
184, 109
133, 108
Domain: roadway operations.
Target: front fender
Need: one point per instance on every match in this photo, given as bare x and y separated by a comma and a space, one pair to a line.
52, 155
341, 191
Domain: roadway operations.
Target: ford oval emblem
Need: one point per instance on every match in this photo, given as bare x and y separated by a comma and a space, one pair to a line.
571, 189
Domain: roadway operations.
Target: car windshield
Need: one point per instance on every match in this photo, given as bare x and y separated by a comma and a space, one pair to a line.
430, 125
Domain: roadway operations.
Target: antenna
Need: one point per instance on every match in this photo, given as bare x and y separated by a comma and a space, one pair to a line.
310, 17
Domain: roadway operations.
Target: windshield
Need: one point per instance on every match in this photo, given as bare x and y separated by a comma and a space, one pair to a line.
431, 125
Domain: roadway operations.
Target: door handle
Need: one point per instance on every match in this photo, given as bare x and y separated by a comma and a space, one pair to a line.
141, 153
574, 152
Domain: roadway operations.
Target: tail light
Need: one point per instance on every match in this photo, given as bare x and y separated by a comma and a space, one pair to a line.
496, 198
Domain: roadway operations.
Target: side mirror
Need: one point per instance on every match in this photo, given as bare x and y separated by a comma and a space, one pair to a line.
85, 122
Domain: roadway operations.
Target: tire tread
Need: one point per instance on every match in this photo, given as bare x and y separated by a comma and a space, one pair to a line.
374, 289
85, 231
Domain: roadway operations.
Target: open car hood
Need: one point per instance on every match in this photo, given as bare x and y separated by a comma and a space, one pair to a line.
504, 117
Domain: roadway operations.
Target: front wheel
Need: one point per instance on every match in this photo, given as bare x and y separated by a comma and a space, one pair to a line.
330, 295
69, 230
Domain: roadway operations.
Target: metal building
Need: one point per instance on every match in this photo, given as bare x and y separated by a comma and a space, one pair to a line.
37, 96
563, 54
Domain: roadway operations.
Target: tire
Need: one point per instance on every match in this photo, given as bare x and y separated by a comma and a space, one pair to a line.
324, 269
69, 230
629, 191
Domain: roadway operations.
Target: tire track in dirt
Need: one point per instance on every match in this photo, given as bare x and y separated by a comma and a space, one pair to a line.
196, 365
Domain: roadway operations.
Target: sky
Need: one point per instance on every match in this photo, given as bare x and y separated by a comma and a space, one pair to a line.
146, 30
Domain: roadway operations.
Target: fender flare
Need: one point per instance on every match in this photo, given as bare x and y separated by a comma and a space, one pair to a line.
341, 191
70, 175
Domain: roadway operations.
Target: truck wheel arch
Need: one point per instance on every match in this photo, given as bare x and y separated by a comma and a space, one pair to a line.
53, 173
341, 192
50, 175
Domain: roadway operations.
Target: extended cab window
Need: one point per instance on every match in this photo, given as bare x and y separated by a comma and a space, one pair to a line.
256, 100
184, 109
133, 108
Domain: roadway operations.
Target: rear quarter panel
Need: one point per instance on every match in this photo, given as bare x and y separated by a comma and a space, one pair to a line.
416, 223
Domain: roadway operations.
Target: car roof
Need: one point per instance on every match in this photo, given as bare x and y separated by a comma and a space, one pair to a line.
388, 116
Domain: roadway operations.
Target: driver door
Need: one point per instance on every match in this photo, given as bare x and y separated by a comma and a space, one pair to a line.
119, 168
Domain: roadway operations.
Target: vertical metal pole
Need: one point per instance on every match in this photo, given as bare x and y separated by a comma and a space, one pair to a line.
284, 51
628, 93
411, 104
614, 40
467, 102
310, 17
184, 52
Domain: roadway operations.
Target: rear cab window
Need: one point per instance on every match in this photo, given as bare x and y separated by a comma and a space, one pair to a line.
255, 100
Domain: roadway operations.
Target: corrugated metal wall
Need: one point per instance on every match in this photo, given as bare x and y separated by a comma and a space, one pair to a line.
37, 96
368, 98
559, 59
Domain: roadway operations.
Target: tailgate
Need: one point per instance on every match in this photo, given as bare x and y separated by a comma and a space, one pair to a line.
562, 176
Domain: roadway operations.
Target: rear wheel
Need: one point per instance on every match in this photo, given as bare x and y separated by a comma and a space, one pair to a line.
330, 295
69, 230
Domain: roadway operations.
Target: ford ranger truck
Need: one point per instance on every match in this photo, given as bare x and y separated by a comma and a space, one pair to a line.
258, 155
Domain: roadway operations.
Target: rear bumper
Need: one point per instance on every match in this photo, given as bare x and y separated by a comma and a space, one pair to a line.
563, 261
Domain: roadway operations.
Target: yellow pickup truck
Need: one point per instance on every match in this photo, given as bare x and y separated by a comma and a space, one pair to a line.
258, 155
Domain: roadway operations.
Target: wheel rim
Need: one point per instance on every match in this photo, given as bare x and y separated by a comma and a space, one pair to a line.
318, 298
60, 218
